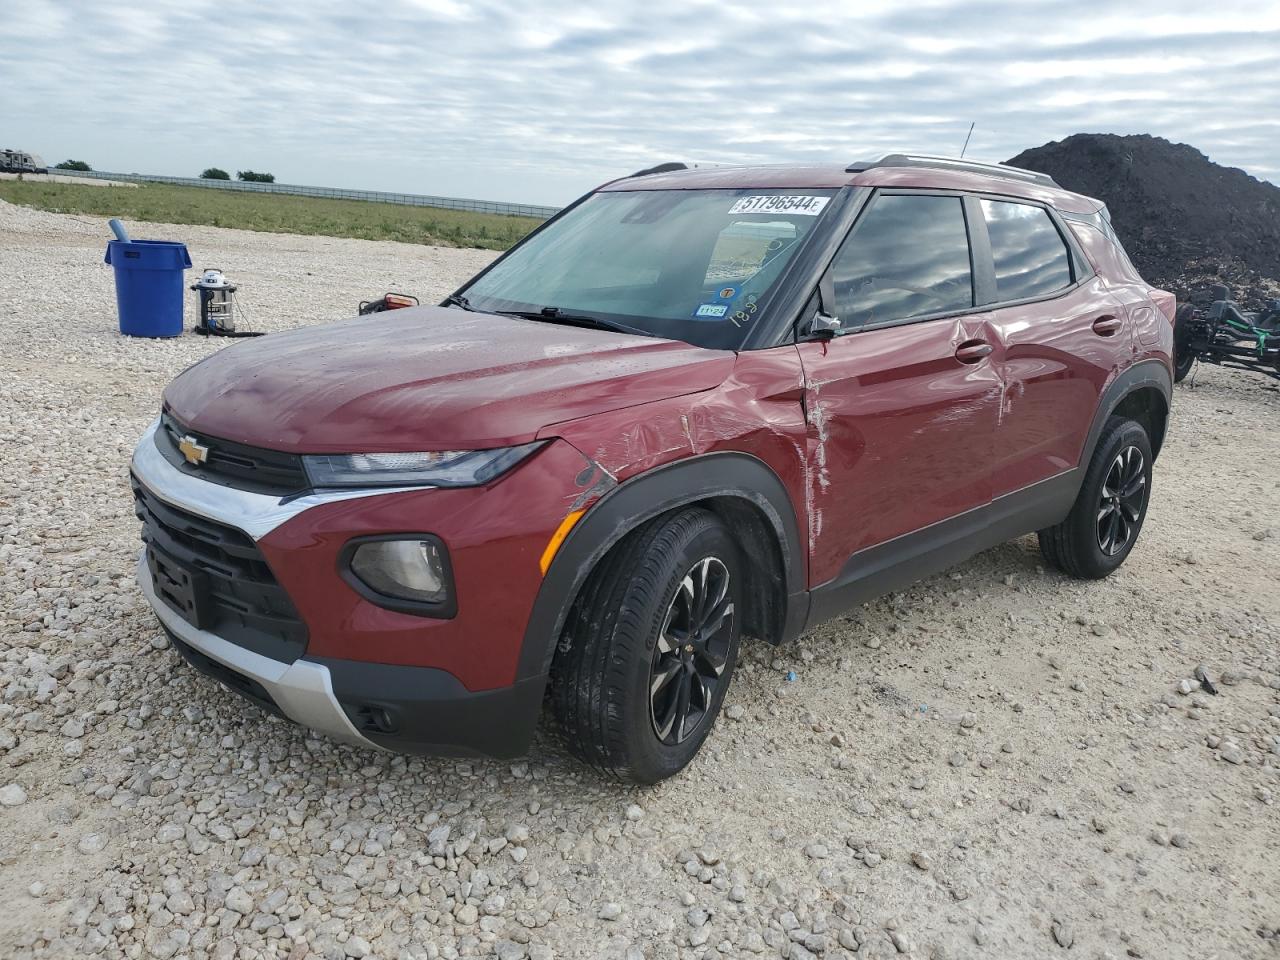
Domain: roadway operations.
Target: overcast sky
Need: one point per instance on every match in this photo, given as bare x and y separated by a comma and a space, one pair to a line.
538, 102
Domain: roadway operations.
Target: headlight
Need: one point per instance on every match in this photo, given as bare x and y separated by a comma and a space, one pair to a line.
406, 572
447, 468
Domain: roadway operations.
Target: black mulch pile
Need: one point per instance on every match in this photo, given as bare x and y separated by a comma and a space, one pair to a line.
1185, 221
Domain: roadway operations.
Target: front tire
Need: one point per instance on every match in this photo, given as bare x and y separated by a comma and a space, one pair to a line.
649, 647
1109, 511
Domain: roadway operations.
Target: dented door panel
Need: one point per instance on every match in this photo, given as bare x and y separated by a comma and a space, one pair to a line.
900, 433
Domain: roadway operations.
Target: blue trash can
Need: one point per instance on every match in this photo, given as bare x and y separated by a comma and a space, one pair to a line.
149, 288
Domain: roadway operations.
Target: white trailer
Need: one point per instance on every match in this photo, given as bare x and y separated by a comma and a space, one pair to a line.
19, 161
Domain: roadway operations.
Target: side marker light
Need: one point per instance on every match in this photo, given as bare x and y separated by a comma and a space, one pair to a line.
557, 538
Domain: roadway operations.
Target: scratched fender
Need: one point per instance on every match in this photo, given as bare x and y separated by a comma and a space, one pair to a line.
672, 452
764, 513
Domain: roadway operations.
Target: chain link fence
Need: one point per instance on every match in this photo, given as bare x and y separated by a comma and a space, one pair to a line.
337, 193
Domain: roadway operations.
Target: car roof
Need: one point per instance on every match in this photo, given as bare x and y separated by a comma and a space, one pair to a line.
894, 171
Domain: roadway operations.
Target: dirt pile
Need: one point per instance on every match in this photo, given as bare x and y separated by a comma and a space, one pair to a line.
1185, 221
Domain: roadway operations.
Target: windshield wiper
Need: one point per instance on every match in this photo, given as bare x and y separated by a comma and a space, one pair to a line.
458, 300
556, 315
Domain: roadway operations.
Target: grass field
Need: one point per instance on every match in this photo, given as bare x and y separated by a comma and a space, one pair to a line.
274, 213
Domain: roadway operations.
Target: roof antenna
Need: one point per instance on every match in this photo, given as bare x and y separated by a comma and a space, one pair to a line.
966, 139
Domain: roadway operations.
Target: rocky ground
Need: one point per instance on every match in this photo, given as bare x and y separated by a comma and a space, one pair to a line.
999, 762
1198, 281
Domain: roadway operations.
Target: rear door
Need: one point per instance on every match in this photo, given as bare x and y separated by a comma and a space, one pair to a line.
1062, 336
902, 403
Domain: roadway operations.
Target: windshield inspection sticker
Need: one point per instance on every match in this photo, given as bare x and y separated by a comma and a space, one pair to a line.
804, 206
711, 311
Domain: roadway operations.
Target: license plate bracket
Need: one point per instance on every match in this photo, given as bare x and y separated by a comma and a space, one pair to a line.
184, 590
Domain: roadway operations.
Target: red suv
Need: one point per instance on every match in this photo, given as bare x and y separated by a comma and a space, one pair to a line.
696, 405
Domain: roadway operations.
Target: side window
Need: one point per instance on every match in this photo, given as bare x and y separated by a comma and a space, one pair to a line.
908, 256
1032, 260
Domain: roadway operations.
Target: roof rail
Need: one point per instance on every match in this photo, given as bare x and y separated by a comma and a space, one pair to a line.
953, 163
661, 168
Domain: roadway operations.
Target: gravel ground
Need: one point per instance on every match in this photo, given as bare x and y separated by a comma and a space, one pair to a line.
999, 762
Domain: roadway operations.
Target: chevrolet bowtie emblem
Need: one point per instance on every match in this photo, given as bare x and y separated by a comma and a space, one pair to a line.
193, 451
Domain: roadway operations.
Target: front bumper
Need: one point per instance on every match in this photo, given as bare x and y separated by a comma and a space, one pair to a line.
302, 690
369, 675
419, 710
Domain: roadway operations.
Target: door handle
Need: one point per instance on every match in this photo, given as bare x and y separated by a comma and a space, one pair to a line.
1106, 326
971, 351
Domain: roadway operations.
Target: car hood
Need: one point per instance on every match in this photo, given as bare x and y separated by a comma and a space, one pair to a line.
428, 378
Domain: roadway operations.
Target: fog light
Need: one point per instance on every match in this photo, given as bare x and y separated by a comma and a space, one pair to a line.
411, 570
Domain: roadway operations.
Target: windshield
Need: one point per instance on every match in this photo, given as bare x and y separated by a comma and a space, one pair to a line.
692, 265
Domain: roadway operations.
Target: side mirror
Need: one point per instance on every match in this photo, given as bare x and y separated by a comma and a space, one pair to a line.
824, 324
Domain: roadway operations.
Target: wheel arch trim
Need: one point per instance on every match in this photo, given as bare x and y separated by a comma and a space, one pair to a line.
1145, 375
639, 499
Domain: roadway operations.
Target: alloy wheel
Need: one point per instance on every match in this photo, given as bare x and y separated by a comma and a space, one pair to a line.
1124, 493
692, 652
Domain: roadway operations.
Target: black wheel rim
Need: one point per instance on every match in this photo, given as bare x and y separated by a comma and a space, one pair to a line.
1124, 496
692, 652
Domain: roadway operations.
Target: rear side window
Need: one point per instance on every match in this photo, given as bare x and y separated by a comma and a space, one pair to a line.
907, 257
1032, 260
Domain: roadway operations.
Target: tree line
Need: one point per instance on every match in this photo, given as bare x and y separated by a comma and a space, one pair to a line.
249, 176
210, 173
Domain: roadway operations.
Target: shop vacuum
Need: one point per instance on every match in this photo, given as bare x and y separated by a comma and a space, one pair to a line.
218, 306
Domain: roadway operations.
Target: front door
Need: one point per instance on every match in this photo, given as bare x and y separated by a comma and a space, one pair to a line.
902, 403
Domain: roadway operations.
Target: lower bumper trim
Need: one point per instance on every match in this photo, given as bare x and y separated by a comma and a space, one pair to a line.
427, 711
302, 690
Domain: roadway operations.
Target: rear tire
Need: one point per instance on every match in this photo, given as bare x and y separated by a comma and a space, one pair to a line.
1183, 356
649, 646
1110, 508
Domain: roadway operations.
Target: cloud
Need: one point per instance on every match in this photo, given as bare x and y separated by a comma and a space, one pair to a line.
541, 101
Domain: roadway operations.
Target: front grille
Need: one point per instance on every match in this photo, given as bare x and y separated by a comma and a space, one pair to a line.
240, 599
233, 464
